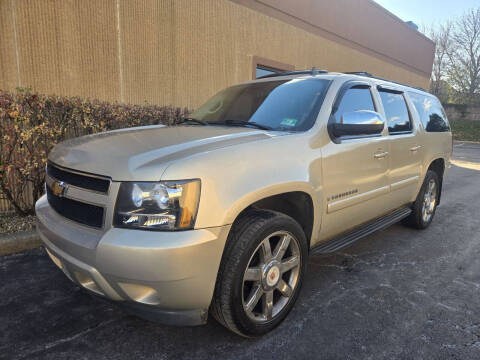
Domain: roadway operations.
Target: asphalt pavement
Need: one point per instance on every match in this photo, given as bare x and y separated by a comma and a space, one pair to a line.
398, 294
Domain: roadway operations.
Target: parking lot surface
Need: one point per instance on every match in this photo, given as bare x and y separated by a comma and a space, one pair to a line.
400, 293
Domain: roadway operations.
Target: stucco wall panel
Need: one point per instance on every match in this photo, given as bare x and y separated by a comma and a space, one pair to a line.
262, 36
362, 24
205, 48
147, 50
68, 47
8, 59
177, 52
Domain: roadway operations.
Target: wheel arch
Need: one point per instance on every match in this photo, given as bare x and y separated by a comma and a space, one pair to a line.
296, 204
437, 165
296, 200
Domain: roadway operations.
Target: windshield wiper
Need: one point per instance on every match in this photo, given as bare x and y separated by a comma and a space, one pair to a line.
192, 120
246, 123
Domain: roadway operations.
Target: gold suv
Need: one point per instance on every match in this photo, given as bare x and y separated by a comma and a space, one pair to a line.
221, 212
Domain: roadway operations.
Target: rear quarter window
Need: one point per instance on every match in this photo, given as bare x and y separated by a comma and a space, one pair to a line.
431, 112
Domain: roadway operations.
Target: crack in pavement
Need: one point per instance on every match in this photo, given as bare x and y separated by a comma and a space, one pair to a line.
45, 347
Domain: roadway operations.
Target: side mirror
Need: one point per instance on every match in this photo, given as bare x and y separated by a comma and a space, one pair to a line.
357, 123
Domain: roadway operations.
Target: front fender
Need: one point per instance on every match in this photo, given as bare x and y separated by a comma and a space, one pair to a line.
236, 177
245, 201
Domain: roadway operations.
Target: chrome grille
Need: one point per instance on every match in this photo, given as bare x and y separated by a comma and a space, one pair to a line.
80, 212
88, 182
77, 196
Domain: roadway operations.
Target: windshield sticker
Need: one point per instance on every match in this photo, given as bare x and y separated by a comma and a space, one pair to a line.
288, 122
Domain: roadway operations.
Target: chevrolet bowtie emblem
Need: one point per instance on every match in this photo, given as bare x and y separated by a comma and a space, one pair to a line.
59, 188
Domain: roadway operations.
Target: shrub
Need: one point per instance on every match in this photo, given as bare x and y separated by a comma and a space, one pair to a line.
31, 124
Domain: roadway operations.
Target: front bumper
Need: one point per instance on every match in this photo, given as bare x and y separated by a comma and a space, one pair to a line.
164, 276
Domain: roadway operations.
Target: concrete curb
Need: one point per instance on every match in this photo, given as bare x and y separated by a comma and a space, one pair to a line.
18, 242
458, 142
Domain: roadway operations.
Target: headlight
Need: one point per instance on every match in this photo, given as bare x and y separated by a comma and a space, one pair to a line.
166, 205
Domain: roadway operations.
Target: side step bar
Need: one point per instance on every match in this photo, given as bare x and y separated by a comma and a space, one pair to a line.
349, 237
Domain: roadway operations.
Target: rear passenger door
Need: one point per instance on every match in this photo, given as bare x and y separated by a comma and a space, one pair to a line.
405, 147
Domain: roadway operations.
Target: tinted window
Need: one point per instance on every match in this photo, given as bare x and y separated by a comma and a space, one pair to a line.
290, 105
431, 113
355, 99
396, 111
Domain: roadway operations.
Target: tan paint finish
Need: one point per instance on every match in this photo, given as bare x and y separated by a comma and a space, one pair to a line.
171, 267
236, 167
163, 51
351, 166
405, 166
146, 150
310, 163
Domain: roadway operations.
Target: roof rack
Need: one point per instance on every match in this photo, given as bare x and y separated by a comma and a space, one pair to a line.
367, 74
314, 71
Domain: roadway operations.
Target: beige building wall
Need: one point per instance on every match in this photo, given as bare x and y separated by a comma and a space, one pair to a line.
163, 52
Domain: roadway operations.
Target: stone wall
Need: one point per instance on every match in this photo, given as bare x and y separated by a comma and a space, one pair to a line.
462, 112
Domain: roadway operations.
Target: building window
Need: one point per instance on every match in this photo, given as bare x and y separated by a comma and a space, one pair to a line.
264, 70
262, 67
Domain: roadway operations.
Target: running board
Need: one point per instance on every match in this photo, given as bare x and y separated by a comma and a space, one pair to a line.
349, 237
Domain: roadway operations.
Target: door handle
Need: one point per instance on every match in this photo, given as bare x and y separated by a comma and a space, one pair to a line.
415, 148
380, 155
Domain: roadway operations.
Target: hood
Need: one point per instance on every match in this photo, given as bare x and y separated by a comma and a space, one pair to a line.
143, 153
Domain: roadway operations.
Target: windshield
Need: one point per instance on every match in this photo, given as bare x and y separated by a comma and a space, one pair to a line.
287, 105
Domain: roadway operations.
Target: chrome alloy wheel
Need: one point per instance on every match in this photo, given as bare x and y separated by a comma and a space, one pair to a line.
270, 278
429, 201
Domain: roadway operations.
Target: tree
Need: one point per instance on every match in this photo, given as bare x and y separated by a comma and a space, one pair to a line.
464, 56
442, 37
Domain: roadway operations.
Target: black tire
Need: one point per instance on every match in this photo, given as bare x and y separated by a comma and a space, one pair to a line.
246, 235
416, 219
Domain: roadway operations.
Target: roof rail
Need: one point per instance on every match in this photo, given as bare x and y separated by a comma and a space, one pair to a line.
359, 73
313, 72
367, 74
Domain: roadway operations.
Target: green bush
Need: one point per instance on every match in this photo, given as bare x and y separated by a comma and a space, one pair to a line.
466, 130
31, 124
